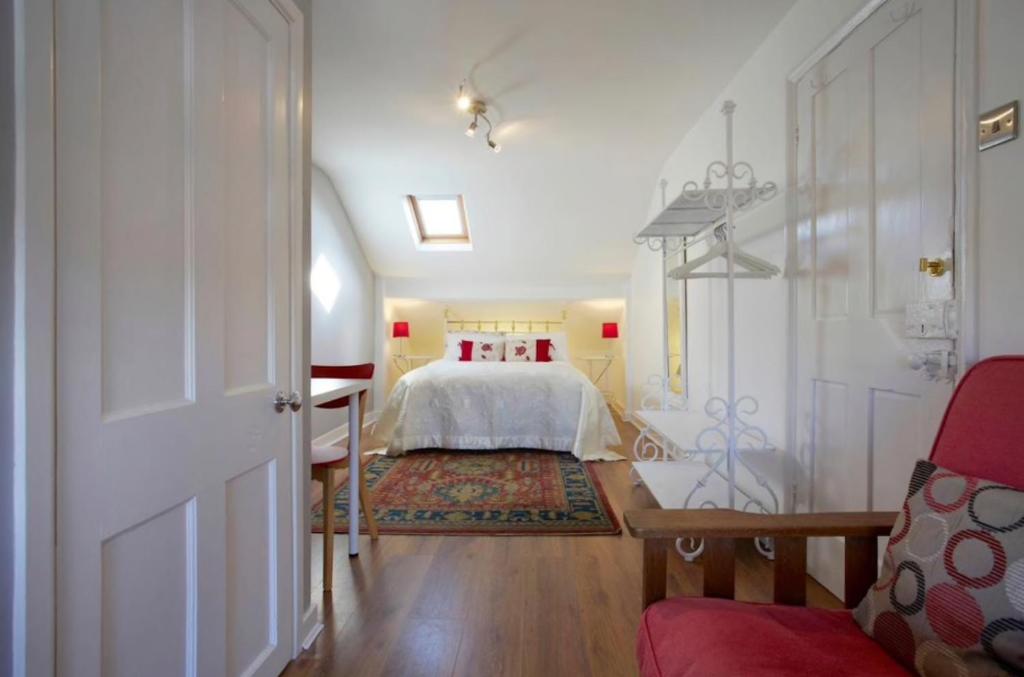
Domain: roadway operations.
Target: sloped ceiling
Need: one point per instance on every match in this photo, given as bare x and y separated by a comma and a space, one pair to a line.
589, 98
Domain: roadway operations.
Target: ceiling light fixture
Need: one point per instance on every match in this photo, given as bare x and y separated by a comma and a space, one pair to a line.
478, 109
463, 102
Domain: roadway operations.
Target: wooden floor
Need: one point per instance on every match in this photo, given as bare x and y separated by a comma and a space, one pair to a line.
489, 606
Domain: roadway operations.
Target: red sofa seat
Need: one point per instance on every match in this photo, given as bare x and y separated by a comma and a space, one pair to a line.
702, 637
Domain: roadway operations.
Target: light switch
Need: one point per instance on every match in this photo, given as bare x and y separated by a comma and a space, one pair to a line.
931, 319
997, 126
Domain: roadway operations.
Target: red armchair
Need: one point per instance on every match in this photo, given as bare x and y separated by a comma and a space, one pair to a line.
716, 635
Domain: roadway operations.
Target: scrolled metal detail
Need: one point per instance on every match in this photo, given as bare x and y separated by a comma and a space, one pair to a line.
696, 547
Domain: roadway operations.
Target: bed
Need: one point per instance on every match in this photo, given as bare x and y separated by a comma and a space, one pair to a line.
473, 405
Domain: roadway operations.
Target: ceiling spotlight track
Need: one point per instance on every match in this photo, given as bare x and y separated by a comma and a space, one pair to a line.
478, 109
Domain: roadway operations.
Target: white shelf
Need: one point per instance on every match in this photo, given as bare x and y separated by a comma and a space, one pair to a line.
688, 216
681, 428
671, 481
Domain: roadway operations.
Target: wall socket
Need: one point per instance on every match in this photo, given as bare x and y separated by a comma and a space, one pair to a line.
998, 125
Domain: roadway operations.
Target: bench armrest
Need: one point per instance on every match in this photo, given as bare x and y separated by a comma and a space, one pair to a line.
718, 523
719, 530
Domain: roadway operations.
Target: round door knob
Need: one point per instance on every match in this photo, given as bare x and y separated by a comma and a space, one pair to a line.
283, 399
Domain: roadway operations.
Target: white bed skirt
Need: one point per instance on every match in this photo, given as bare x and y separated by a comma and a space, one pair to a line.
481, 405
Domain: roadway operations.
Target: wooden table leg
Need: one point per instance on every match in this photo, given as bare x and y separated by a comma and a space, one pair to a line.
328, 480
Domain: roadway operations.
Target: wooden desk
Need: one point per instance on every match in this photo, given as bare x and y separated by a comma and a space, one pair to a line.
324, 390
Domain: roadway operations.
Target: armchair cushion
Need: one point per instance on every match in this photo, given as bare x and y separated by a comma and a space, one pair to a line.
703, 637
950, 597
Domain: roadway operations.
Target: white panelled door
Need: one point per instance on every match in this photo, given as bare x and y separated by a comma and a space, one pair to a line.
175, 158
875, 164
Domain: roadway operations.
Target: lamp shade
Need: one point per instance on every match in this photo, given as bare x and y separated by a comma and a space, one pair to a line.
610, 330
400, 330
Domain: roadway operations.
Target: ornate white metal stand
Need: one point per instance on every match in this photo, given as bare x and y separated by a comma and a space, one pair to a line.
725, 443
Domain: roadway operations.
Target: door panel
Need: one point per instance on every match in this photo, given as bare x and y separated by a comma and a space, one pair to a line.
834, 488
143, 212
160, 549
875, 194
897, 424
248, 279
895, 63
251, 560
174, 232
831, 249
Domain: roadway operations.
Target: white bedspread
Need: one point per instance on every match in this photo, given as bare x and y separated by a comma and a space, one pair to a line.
506, 405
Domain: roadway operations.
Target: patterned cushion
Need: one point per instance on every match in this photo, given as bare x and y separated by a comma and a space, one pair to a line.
520, 350
950, 598
482, 351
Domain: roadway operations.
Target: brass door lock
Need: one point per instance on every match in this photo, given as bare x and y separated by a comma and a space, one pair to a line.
934, 267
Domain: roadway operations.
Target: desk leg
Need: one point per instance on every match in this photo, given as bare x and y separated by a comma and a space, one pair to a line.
354, 435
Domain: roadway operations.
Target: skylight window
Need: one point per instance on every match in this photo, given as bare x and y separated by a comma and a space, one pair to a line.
438, 221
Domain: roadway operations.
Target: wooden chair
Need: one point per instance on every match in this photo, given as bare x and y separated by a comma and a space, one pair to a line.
980, 436
326, 460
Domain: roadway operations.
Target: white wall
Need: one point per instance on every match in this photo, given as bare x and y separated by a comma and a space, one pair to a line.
346, 333
645, 326
759, 90
1001, 229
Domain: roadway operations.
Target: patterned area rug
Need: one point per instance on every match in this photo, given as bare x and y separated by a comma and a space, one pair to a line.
497, 493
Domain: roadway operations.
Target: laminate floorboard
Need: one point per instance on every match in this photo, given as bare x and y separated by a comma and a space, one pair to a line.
482, 606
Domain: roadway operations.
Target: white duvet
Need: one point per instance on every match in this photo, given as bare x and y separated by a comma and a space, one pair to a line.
504, 405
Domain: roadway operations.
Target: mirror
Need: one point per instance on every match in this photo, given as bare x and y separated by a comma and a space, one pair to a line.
675, 325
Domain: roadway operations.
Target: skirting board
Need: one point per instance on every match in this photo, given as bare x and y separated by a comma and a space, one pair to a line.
336, 435
311, 636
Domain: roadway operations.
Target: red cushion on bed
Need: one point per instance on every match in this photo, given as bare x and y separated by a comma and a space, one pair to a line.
465, 351
696, 637
543, 350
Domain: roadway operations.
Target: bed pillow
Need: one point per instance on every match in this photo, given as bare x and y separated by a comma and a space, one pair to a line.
528, 350
520, 350
482, 351
453, 341
559, 343
544, 350
950, 598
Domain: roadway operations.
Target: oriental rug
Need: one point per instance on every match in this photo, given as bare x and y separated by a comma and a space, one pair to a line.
493, 493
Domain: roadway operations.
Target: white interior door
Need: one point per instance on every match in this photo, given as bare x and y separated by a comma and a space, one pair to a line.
875, 164
174, 204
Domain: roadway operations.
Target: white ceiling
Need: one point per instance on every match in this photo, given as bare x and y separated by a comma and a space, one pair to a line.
589, 97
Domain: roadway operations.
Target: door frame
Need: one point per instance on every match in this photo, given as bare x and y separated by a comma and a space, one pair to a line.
35, 491
965, 188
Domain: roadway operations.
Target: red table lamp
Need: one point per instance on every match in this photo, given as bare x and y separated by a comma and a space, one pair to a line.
400, 330
609, 330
